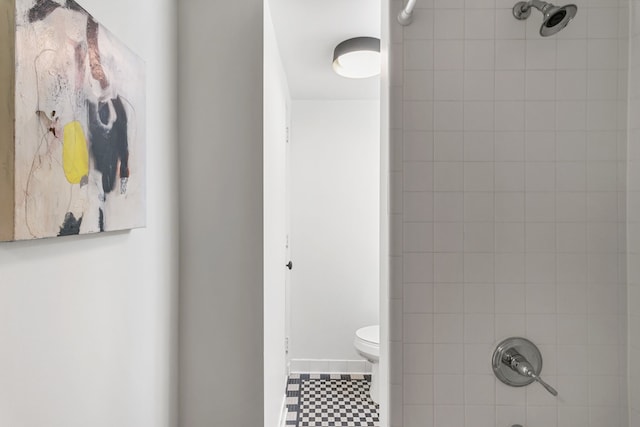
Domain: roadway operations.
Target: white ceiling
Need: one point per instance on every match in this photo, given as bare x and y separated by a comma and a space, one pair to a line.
309, 30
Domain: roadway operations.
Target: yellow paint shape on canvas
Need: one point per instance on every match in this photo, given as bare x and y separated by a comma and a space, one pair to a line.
75, 154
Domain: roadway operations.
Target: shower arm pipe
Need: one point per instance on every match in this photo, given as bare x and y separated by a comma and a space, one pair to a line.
406, 15
538, 4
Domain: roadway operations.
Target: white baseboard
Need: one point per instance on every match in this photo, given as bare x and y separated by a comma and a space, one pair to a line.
329, 366
283, 409
283, 413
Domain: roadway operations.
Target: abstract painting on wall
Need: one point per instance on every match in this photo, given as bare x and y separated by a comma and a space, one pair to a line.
72, 124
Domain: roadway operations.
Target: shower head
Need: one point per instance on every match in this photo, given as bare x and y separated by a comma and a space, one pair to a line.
554, 18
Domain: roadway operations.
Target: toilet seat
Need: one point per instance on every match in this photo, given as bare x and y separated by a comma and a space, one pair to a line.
367, 342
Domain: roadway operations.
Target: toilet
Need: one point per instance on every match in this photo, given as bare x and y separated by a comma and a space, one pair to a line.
367, 344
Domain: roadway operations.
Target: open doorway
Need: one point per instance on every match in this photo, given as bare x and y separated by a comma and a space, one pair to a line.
326, 157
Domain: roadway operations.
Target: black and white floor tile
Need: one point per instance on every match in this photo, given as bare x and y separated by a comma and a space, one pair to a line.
330, 400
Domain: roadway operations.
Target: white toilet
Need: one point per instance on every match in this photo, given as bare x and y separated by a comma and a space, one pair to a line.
367, 344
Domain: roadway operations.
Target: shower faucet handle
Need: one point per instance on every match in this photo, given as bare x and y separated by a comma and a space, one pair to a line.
545, 385
517, 362
521, 365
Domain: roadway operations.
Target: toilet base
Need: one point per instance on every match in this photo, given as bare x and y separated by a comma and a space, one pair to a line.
374, 389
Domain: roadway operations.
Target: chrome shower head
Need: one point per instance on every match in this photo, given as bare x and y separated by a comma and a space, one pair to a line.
554, 18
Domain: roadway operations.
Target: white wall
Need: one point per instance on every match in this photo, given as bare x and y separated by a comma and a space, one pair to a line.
335, 231
88, 324
508, 213
220, 67
276, 103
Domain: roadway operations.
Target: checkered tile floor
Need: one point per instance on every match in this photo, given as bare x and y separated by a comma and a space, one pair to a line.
330, 400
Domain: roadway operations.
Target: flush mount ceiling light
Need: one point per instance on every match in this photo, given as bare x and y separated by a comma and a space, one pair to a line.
357, 58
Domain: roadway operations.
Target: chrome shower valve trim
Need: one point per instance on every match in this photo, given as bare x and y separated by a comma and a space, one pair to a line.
517, 362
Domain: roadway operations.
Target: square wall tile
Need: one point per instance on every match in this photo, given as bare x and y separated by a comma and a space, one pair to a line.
448, 267
509, 268
448, 116
418, 328
510, 325
478, 116
449, 23
602, 54
418, 298
418, 267
418, 176
449, 237
418, 237
479, 24
570, 302
541, 237
418, 358
571, 85
510, 237
448, 54
449, 358
510, 299
572, 54
509, 146
418, 85
448, 85
479, 237
509, 116
418, 115
418, 389
448, 328
449, 415
480, 390
449, 390
510, 54
540, 206
479, 328
510, 206
540, 176
541, 54
478, 176
418, 206
418, 416
479, 207
449, 298
478, 85
479, 268
448, 176
541, 85
510, 85
540, 146
448, 146
571, 207
479, 55
448, 206
479, 299
418, 55
540, 268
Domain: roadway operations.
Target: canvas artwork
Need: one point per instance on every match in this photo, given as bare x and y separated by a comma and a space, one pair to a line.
72, 124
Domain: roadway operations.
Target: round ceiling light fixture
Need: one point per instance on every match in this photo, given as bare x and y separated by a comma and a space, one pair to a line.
357, 58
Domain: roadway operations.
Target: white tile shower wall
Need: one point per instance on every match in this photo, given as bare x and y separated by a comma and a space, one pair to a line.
508, 213
633, 219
